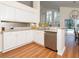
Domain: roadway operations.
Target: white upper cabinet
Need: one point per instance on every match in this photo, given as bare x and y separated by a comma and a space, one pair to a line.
21, 15
7, 13
3, 13
10, 13
24, 15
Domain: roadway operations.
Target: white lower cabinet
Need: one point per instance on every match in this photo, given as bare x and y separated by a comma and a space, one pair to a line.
9, 40
23, 37
0, 42
16, 39
39, 37
29, 36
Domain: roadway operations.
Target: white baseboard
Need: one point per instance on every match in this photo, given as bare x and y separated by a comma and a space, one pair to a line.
15, 47
60, 52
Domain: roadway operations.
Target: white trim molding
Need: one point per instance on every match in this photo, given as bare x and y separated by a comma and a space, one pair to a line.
60, 52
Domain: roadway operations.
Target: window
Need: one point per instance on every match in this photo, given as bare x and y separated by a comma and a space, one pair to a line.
56, 18
53, 18
49, 17
69, 23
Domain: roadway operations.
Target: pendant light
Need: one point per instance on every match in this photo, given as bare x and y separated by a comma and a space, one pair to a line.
74, 13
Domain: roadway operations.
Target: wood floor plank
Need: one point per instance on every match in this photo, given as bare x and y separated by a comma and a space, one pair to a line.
44, 53
34, 50
18, 51
38, 53
0, 54
29, 52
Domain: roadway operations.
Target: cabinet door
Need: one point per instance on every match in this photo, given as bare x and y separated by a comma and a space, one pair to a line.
21, 37
29, 35
39, 37
9, 40
3, 12
7, 13
10, 13
0, 42
24, 16
20, 15
15, 39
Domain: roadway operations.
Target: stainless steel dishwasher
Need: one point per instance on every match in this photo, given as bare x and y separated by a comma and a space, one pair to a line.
50, 40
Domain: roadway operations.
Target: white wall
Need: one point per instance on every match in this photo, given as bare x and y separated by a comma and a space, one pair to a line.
36, 6
60, 41
65, 13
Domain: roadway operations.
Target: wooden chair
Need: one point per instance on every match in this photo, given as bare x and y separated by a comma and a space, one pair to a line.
78, 39
76, 35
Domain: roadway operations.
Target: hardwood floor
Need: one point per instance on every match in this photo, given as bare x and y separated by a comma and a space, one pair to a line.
34, 50
30, 50
0, 54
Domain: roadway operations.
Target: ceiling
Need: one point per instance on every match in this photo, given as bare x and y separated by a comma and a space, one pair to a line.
57, 4
29, 3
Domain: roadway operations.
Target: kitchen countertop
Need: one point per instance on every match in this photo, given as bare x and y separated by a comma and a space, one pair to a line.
27, 30
51, 31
